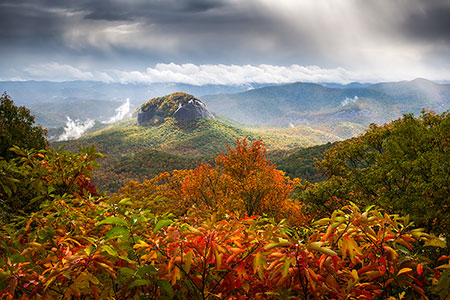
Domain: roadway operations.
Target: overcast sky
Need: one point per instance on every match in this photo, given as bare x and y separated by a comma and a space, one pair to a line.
225, 41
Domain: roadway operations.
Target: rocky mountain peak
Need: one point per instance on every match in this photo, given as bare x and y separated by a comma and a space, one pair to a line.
179, 105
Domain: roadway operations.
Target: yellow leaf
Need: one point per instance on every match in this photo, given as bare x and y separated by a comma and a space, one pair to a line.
141, 244
284, 243
447, 266
355, 274
404, 270
218, 258
317, 246
436, 241
271, 246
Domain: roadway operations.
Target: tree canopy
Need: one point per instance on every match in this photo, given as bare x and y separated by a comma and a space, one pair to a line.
17, 128
403, 166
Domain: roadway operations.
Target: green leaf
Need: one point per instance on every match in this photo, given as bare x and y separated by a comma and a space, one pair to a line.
161, 224
166, 287
125, 201
149, 269
113, 221
403, 249
285, 268
91, 240
126, 272
7, 190
139, 282
35, 199
50, 189
117, 231
109, 250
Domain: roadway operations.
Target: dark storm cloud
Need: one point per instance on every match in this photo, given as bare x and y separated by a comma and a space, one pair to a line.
430, 23
114, 34
19, 21
421, 20
151, 11
201, 5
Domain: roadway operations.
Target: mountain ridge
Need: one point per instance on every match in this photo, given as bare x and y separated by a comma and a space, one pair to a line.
309, 103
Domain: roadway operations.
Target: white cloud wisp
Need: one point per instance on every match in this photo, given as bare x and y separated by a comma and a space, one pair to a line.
75, 129
220, 74
121, 112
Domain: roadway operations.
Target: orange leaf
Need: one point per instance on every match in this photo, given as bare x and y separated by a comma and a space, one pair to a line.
419, 269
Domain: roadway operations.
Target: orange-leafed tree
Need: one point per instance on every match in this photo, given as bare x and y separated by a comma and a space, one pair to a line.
255, 182
242, 181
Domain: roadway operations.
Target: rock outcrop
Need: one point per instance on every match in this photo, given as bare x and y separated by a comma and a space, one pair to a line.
181, 106
194, 109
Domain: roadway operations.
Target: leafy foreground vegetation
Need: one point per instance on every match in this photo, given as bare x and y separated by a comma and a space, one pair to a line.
232, 231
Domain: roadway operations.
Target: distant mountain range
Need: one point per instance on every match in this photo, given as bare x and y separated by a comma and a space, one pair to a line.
29, 92
327, 107
309, 103
51, 102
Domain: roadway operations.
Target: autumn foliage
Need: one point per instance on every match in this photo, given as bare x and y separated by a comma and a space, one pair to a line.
242, 181
225, 232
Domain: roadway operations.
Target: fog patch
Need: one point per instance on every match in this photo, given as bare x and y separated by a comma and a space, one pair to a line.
121, 112
75, 129
349, 101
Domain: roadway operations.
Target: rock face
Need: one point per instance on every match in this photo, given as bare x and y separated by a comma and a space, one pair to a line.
181, 106
194, 109
145, 117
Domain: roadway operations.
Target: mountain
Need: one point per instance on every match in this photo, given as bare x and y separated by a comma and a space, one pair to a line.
309, 103
341, 86
181, 106
412, 96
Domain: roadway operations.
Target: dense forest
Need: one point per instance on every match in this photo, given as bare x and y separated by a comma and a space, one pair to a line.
375, 226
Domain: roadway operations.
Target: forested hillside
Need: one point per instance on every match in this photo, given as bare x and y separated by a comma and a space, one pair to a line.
238, 229
158, 139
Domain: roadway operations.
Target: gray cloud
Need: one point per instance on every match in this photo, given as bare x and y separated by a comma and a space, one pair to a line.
430, 24
397, 37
